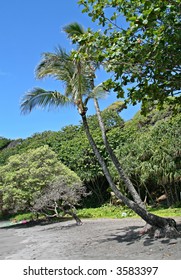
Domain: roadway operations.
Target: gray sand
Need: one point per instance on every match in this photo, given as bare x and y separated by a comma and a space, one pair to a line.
95, 239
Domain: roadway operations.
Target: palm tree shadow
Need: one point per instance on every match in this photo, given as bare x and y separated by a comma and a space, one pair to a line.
132, 235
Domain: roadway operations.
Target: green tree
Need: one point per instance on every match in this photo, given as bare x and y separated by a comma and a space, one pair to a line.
24, 175
140, 44
7, 148
4, 142
149, 150
162, 167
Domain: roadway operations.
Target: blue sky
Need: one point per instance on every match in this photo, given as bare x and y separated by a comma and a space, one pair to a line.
27, 29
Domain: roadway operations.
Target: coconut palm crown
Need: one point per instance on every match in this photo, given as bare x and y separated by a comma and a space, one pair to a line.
73, 75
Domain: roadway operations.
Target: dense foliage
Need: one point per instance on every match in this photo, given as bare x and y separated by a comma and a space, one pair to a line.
4, 142
148, 148
151, 156
140, 44
25, 175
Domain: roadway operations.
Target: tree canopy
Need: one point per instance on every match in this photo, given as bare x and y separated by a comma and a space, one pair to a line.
140, 43
24, 176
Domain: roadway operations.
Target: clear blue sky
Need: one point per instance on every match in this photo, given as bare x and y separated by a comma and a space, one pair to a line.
27, 29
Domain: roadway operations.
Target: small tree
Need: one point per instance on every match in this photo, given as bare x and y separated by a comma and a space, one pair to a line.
60, 198
25, 175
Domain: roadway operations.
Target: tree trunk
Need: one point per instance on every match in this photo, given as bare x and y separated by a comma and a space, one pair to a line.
115, 160
74, 215
161, 226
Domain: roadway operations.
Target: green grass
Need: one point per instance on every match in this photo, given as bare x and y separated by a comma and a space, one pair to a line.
114, 212
108, 211
166, 212
21, 217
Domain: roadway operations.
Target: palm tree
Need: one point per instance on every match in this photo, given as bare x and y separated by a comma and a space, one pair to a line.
74, 75
76, 29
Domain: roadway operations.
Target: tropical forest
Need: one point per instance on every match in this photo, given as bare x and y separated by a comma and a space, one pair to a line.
105, 166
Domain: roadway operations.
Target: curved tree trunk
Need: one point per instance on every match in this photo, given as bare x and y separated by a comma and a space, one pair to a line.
161, 226
115, 160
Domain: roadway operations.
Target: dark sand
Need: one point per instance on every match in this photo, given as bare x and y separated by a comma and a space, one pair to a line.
100, 239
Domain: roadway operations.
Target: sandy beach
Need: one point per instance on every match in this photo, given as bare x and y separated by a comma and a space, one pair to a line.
96, 239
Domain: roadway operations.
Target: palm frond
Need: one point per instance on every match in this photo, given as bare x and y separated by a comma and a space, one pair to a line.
73, 74
98, 92
54, 64
73, 29
39, 97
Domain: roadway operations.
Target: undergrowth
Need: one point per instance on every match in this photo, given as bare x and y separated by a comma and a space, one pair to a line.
107, 211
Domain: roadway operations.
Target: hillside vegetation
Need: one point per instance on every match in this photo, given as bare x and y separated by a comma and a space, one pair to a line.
147, 147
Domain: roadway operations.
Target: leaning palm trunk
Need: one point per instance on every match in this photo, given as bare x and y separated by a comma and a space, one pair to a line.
115, 161
161, 226
77, 29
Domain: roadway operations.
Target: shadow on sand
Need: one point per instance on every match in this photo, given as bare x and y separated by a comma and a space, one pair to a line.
32, 223
132, 234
